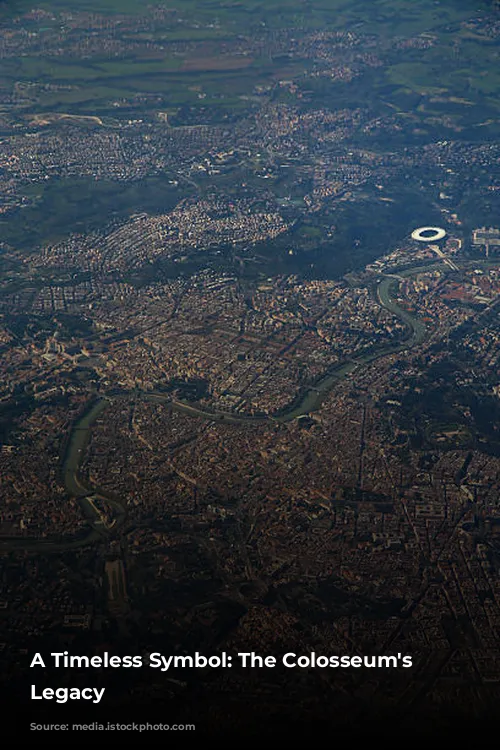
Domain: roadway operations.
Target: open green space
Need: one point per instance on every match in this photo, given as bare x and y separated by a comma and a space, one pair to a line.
83, 204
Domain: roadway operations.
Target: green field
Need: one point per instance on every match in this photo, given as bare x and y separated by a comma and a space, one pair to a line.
98, 78
215, 62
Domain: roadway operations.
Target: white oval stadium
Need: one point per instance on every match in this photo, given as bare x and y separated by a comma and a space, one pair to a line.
428, 234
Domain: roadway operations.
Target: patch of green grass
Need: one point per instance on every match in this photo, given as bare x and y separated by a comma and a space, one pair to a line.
414, 76
380, 16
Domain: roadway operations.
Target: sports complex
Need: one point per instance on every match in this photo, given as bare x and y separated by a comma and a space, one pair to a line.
428, 234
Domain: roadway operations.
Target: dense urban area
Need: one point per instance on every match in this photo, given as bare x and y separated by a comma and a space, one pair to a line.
242, 408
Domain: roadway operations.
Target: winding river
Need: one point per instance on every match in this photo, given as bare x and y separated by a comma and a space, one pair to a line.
89, 498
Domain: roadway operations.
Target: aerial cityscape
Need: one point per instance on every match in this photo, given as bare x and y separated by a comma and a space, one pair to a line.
250, 356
